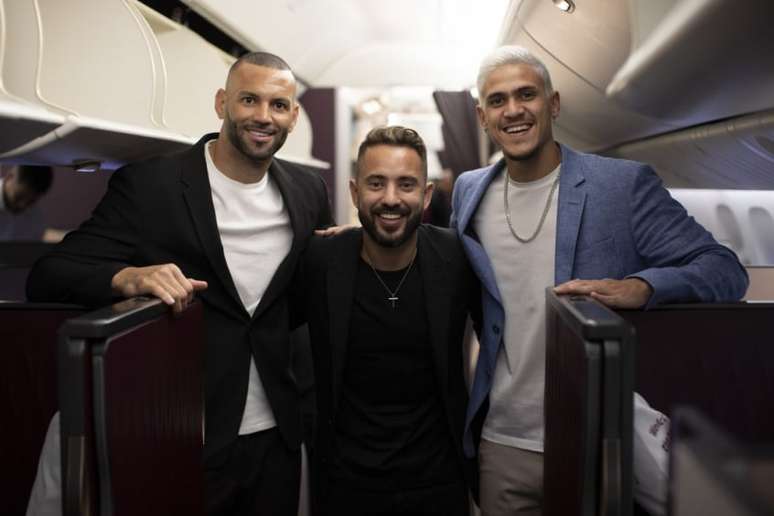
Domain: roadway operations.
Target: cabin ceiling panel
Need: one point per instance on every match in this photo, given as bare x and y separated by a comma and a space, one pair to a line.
332, 42
593, 40
733, 154
586, 111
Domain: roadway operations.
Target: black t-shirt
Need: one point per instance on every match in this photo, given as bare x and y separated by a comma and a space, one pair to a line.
391, 429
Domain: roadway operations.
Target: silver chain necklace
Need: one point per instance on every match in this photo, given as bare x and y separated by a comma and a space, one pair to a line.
542, 217
393, 294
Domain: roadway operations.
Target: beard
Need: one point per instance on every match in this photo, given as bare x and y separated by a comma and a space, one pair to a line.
234, 132
394, 239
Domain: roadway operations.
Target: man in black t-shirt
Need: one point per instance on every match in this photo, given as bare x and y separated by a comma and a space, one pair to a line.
387, 307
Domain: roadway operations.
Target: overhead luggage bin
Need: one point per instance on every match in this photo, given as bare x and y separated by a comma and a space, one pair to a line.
580, 69
88, 144
675, 49
192, 66
22, 122
108, 84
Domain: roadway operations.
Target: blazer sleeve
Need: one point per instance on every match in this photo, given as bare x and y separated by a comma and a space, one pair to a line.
685, 263
80, 268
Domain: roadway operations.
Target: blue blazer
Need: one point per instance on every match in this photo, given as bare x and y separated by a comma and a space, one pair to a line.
615, 220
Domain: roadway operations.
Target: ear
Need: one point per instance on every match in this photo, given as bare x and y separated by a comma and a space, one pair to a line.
429, 189
295, 116
555, 104
481, 115
353, 192
220, 103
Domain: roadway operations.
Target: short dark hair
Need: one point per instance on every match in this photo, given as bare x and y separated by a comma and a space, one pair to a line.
261, 59
394, 135
36, 178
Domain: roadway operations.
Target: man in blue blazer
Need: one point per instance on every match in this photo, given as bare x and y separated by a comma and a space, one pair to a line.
587, 224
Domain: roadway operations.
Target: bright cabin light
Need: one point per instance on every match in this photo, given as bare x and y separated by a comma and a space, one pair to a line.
567, 6
371, 106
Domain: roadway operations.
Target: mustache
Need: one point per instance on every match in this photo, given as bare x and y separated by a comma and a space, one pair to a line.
391, 210
269, 128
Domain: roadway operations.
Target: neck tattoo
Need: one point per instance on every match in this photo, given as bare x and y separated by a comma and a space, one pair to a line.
392, 296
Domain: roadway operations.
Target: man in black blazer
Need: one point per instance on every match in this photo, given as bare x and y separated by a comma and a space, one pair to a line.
226, 220
387, 307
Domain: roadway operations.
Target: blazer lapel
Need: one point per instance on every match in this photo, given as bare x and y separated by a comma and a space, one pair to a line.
479, 260
572, 199
435, 283
478, 191
198, 197
293, 201
340, 286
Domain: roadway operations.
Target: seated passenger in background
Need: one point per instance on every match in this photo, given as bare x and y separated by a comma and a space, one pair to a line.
227, 220
20, 188
548, 215
387, 307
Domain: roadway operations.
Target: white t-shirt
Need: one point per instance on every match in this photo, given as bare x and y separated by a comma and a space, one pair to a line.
256, 234
522, 271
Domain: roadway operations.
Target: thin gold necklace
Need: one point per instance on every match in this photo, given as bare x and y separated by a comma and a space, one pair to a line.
542, 217
393, 294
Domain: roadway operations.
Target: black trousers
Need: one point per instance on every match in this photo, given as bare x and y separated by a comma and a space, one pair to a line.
259, 476
341, 499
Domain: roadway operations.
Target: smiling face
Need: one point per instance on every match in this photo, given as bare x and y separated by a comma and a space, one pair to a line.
258, 109
517, 112
390, 193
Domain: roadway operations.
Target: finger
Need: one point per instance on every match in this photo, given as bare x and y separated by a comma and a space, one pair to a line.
198, 284
178, 278
159, 291
607, 300
334, 230
575, 287
171, 286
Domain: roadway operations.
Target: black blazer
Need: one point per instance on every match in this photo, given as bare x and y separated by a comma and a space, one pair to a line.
160, 211
451, 292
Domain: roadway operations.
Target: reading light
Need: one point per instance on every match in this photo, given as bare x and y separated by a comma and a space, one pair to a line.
86, 165
567, 6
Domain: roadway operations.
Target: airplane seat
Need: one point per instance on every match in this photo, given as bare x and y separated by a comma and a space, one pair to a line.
132, 410
28, 392
715, 474
715, 357
589, 378
16, 260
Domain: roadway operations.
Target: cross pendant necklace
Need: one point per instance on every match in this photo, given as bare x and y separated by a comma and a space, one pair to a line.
392, 294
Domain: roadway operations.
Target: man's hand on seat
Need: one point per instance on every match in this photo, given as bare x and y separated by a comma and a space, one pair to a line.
167, 282
626, 293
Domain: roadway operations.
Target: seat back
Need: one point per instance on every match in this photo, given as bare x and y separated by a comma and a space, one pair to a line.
132, 412
28, 393
588, 409
716, 358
